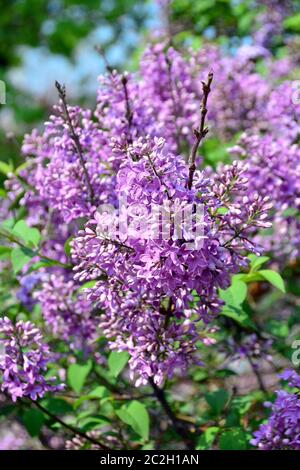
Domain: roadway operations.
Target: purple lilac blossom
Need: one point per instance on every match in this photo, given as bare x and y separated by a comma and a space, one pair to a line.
23, 361
282, 430
274, 169
67, 312
139, 273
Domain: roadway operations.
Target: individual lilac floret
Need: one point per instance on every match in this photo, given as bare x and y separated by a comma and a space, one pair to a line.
23, 360
282, 430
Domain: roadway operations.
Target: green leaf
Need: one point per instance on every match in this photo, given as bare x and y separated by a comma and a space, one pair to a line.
217, 400
257, 261
33, 421
139, 413
207, 439
222, 210
87, 285
278, 328
224, 373
124, 416
242, 404
293, 23
273, 278
239, 315
57, 406
233, 418
77, 375
200, 375
30, 235
20, 256
235, 439
235, 294
117, 361
21, 167
136, 415
45, 263
5, 252
93, 422
5, 168
68, 246
99, 392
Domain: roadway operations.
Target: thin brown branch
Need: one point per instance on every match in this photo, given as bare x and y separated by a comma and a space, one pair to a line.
178, 425
62, 95
129, 113
101, 52
202, 130
69, 427
257, 374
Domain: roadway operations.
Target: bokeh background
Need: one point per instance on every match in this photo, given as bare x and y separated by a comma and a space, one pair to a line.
43, 41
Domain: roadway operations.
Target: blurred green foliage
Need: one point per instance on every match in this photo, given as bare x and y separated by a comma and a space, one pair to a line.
59, 24
225, 21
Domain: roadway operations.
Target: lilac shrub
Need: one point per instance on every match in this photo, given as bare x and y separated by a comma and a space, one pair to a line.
137, 237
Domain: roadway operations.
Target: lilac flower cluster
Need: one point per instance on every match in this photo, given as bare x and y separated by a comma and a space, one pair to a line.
25, 293
147, 283
249, 346
171, 86
274, 168
59, 177
282, 114
23, 361
270, 21
67, 313
282, 430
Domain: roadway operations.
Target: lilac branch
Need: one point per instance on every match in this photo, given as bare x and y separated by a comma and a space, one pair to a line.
62, 95
178, 425
201, 132
129, 113
69, 427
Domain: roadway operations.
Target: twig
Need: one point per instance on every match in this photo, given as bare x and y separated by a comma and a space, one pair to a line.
69, 427
62, 95
124, 80
101, 52
201, 132
129, 113
257, 374
178, 427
